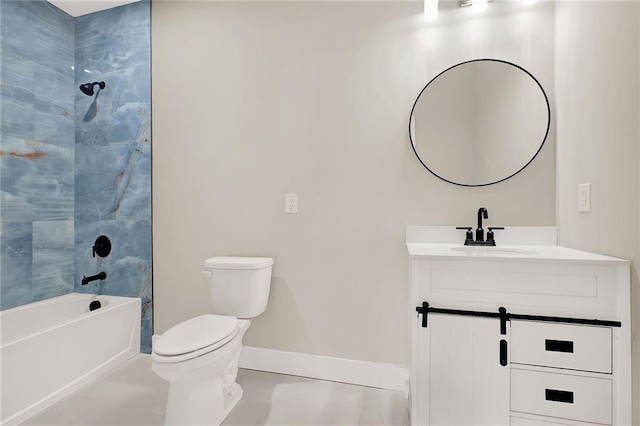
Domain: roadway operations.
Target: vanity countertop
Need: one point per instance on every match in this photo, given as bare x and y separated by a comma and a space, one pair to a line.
509, 253
530, 243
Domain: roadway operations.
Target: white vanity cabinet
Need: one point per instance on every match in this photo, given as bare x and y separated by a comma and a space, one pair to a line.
538, 365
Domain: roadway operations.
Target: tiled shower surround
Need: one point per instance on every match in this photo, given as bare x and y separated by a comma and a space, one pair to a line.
113, 154
74, 167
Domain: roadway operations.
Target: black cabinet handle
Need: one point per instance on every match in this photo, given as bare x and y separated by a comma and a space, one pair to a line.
558, 396
558, 346
503, 352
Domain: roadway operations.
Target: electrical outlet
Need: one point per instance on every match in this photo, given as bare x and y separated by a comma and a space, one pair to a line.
291, 203
584, 197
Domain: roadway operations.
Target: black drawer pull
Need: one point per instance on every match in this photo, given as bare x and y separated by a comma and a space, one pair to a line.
558, 346
558, 396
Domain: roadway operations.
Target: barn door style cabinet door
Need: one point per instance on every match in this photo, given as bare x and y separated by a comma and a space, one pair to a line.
467, 384
523, 335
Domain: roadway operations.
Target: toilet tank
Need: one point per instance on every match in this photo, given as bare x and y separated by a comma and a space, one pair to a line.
239, 286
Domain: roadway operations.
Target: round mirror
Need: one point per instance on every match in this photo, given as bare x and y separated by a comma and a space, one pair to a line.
479, 122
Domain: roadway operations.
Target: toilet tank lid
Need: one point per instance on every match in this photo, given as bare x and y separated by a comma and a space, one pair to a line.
229, 262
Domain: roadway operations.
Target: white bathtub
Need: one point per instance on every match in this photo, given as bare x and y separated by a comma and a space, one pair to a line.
50, 349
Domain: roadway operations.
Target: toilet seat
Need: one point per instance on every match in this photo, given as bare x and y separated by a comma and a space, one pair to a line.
195, 337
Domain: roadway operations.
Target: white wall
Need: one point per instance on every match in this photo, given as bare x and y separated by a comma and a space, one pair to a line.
255, 100
597, 96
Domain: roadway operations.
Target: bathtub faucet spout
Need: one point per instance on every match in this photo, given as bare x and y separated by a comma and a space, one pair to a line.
86, 280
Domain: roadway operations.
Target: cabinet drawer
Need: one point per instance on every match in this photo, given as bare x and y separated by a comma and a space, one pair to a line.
574, 347
565, 396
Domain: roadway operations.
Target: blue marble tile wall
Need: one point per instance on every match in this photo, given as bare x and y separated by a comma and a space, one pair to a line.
36, 152
113, 154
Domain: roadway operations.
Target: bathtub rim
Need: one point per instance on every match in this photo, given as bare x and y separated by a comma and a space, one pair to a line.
122, 300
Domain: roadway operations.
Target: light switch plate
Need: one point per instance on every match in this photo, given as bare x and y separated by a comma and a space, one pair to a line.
584, 197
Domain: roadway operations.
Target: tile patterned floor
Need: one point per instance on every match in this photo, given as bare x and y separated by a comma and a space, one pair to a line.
134, 395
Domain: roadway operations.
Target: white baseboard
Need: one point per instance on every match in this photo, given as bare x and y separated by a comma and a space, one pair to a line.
373, 374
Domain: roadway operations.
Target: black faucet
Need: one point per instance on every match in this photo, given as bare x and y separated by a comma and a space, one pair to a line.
480, 241
101, 276
482, 212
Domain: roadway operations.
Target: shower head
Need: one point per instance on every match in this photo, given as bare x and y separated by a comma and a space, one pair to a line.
87, 88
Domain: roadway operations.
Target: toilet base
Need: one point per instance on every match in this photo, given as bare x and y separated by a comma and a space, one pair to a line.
202, 406
232, 399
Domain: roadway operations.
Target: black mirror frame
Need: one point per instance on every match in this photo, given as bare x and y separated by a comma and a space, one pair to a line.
510, 176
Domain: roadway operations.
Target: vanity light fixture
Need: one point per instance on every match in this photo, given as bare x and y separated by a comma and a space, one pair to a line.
476, 5
430, 10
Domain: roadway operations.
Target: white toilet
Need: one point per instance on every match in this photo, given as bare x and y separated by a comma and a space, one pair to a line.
199, 357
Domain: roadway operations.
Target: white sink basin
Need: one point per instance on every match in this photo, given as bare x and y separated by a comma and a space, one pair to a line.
492, 251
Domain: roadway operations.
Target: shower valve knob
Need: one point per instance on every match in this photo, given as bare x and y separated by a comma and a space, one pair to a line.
102, 246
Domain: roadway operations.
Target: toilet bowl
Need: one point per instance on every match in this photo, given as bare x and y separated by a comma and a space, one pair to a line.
199, 357
203, 387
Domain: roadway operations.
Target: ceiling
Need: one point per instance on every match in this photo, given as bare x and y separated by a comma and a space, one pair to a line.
82, 7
